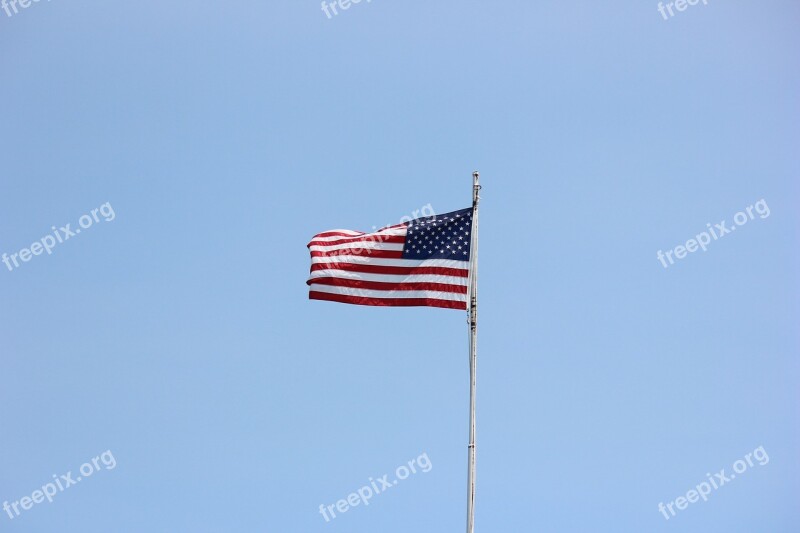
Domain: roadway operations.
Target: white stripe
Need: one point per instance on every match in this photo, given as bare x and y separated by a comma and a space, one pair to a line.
388, 278
379, 261
369, 293
394, 231
345, 231
395, 247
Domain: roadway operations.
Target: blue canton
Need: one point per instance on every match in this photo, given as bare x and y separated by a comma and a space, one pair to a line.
444, 236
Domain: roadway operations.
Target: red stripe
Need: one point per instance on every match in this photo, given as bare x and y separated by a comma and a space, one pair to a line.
387, 302
366, 252
394, 239
385, 286
336, 234
394, 226
378, 269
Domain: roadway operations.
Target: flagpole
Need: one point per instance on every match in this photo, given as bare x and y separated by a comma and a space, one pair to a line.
473, 349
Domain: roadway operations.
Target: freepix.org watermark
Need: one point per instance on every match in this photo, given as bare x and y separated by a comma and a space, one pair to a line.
11, 5
59, 236
364, 494
703, 239
365, 244
59, 484
680, 5
344, 5
703, 489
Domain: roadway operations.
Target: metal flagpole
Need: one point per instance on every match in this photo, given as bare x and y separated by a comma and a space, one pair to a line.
473, 345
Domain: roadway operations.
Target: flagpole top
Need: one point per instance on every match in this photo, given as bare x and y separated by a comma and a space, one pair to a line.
475, 188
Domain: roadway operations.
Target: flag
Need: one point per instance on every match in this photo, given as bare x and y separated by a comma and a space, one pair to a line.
423, 262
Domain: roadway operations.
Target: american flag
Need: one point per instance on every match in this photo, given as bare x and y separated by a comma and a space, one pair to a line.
423, 262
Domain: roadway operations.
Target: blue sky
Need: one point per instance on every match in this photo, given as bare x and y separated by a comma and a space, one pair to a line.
179, 336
